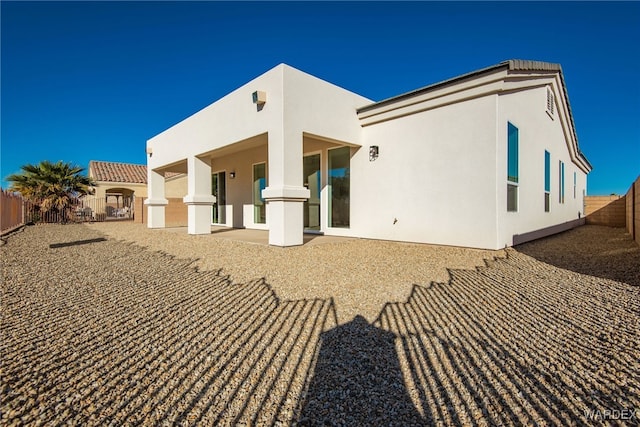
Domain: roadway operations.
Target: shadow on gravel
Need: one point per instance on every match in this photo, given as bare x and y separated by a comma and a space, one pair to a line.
599, 251
77, 243
157, 341
517, 344
358, 380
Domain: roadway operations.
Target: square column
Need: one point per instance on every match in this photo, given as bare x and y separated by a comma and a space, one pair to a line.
286, 215
285, 194
199, 199
156, 201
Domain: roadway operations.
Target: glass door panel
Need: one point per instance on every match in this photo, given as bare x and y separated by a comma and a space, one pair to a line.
219, 190
311, 180
259, 184
339, 187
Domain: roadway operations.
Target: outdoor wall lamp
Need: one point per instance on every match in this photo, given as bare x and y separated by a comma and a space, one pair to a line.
232, 175
150, 151
259, 97
373, 152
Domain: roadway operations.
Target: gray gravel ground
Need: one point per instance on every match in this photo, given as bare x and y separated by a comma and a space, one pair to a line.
96, 331
360, 275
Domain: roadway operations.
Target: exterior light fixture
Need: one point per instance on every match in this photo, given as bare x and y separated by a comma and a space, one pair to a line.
373, 153
150, 151
259, 97
232, 175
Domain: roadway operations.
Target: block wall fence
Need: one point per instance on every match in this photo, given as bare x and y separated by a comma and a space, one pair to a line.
175, 213
606, 210
633, 210
616, 211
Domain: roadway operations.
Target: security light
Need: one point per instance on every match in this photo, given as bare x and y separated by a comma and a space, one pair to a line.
259, 97
373, 153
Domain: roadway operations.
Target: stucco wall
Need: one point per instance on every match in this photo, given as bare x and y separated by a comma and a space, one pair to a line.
537, 132
312, 105
175, 187
434, 177
140, 190
175, 212
441, 172
239, 192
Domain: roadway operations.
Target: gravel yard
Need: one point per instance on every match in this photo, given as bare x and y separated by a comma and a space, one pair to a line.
360, 275
100, 331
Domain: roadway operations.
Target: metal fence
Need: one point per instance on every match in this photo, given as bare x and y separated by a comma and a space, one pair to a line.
11, 211
16, 211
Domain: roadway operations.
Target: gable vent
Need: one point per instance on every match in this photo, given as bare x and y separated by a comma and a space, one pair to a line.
550, 101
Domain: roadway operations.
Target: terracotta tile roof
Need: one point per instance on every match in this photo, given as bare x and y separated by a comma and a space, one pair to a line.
122, 172
118, 172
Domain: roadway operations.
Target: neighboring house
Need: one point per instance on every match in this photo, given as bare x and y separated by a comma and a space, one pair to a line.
118, 184
487, 159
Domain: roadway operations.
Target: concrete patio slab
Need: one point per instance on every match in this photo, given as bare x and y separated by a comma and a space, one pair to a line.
260, 237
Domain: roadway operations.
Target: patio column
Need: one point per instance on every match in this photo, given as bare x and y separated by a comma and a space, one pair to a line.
199, 198
156, 201
285, 194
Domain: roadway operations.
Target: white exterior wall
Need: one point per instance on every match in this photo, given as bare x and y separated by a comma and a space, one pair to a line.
296, 104
441, 172
312, 105
537, 132
239, 195
434, 175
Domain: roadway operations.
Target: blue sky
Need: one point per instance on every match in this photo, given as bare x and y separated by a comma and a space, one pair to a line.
87, 81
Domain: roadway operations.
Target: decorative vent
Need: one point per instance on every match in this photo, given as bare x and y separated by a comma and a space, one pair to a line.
550, 101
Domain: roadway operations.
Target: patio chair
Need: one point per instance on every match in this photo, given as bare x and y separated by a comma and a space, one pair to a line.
87, 214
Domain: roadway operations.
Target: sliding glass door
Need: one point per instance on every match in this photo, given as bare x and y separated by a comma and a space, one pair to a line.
219, 190
311, 180
339, 186
259, 184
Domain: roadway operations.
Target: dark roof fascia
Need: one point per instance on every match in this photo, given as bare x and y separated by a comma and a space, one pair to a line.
432, 87
573, 124
512, 64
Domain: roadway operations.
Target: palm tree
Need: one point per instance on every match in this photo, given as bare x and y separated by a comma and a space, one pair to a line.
51, 185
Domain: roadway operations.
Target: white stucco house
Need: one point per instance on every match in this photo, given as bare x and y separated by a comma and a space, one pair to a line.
487, 159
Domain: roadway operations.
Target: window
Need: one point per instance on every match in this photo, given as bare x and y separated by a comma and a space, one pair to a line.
512, 168
561, 189
550, 102
259, 184
311, 180
339, 186
547, 180
574, 185
218, 189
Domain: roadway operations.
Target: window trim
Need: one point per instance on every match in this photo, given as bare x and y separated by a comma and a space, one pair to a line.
266, 182
561, 182
218, 172
547, 181
330, 187
510, 182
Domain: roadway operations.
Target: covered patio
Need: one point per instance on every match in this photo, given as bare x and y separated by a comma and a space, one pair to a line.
263, 165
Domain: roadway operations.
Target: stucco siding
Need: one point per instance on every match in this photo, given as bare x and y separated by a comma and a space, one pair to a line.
231, 119
320, 108
311, 105
239, 195
537, 132
434, 177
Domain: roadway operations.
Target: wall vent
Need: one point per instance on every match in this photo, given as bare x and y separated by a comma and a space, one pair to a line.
550, 101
